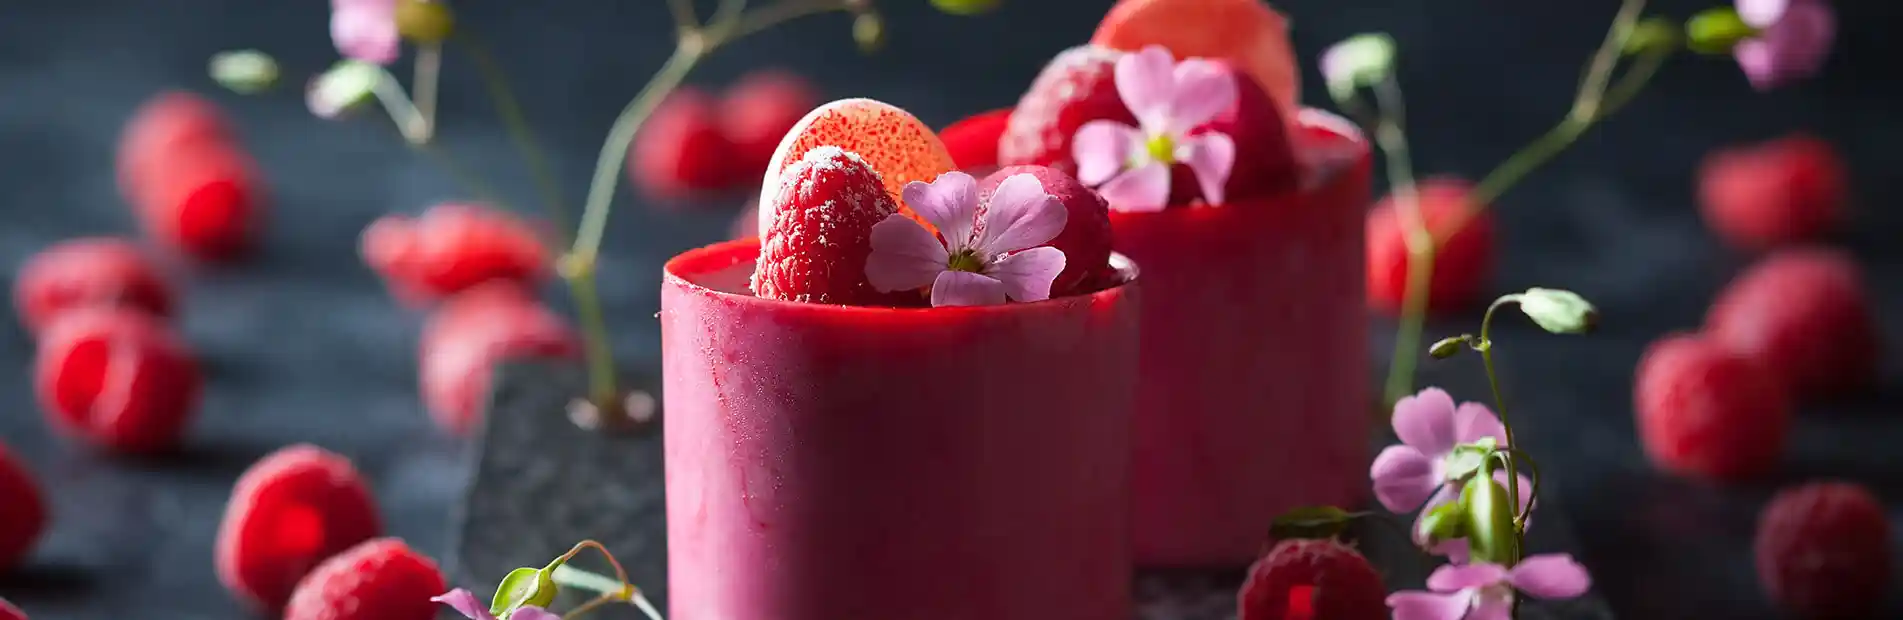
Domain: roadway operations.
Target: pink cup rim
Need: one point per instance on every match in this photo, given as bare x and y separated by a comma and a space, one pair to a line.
726, 254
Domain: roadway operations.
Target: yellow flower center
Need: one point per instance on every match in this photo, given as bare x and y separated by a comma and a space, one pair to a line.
966, 260
1162, 149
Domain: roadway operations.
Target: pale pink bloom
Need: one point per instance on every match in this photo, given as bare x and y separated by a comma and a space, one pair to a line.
1486, 591
365, 30
1430, 427
989, 253
1794, 40
1130, 166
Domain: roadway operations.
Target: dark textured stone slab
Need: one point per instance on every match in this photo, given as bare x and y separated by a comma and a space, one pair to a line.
541, 484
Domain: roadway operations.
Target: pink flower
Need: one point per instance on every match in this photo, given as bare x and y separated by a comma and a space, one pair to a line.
365, 29
988, 252
1794, 39
1486, 591
1430, 427
469, 606
1130, 166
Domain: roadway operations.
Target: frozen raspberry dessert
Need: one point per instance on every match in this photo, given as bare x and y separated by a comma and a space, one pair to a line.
890, 405
1247, 217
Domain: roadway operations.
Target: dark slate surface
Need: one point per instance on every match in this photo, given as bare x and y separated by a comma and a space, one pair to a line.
303, 345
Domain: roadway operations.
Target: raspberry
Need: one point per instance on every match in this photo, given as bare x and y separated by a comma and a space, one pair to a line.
85, 273
1779, 192
469, 335
1312, 579
453, 247
117, 379
289, 511
888, 139
1823, 550
24, 516
1463, 260
681, 151
1706, 411
9, 612
816, 249
379, 579
758, 111
1086, 237
973, 142
164, 124
1246, 33
203, 201
1078, 86
1802, 313
1265, 162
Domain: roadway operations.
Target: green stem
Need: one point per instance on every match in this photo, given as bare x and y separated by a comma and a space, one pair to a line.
1533, 468
571, 577
602, 390
429, 71
1485, 347
1391, 135
516, 124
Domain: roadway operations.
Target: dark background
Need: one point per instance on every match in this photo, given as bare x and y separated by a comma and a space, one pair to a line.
304, 345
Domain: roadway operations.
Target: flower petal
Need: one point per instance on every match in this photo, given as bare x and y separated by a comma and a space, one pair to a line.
1211, 156
905, 256
533, 613
1146, 81
1793, 48
1451, 577
1144, 188
1761, 13
1473, 421
1204, 90
1103, 148
1497, 608
1027, 275
964, 288
1020, 215
949, 202
1550, 576
1415, 605
365, 31
465, 603
1403, 478
1426, 422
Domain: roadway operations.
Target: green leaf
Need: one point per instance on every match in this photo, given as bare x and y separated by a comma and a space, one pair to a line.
1468, 458
1311, 522
521, 588
967, 7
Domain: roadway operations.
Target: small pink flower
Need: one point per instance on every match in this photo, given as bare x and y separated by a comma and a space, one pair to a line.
1486, 591
469, 606
988, 252
1130, 166
1430, 427
365, 29
1794, 39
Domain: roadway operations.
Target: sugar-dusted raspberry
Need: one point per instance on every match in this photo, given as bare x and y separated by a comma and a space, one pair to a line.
756, 113
89, 272
1464, 257
1704, 410
453, 247
291, 510
1086, 239
379, 579
1783, 191
1312, 580
816, 248
1823, 550
1803, 313
474, 331
117, 379
1246, 33
681, 150
24, 515
1078, 86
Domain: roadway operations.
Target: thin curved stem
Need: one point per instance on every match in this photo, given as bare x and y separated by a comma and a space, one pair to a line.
1592, 85
1533, 467
683, 11
429, 71
1485, 347
1391, 112
516, 124
402, 110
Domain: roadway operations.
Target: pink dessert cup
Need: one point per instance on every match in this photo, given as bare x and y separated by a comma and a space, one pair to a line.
1253, 395
832, 462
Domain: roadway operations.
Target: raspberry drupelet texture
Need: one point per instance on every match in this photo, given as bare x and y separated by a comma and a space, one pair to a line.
816, 248
1313, 580
379, 579
290, 511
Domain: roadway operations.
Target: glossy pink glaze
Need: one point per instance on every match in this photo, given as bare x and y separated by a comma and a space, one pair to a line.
1253, 396
830, 462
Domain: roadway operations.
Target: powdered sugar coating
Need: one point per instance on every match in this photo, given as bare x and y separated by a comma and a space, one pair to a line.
890, 140
815, 248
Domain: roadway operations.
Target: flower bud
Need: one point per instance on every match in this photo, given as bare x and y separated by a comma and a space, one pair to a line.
1441, 523
868, 29
966, 7
1357, 61
1491, 535
1559, 311
345, 85
424, 21
1654, 35
1716, 31
1448, 347
521, 588
244, 71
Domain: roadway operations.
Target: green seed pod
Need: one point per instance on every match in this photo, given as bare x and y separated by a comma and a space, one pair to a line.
1559, 311
424, 21
1491, 536
521, 588
244, 71
1445, 522
1716, 31
1447, 347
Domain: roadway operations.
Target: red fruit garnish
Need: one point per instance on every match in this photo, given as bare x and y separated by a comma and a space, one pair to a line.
24, 516
816, 248
379, 579
1783, 191
1078, 86
681, 150
169, 122
1706, 411
289, 511
451, 248
888, 139
1823, 550
202, 200
87, 273
1265, 160
1247, 33
1464, 258
758, 111
119, 380
470, 334
9, 612
1086, 237
973, 142
1802, 313
1312, 579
